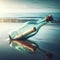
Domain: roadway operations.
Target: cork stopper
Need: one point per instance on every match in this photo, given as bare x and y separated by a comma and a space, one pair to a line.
49, 18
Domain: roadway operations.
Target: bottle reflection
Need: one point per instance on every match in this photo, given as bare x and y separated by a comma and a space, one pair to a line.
28, 47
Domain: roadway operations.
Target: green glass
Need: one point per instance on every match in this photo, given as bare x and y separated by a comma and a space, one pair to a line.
27, 26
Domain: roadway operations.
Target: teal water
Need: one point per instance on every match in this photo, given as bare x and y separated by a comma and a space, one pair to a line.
48, 38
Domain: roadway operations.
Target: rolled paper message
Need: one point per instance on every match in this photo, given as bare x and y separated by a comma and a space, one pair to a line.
33, 29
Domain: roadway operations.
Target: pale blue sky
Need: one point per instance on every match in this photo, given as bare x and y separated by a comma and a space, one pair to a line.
21, 6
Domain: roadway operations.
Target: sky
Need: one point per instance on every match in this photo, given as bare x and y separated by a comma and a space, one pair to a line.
29, 6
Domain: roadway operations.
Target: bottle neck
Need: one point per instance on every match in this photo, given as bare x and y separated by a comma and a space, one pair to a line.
41, 22
38, 26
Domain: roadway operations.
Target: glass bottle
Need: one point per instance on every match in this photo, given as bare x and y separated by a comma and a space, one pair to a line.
29, 29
